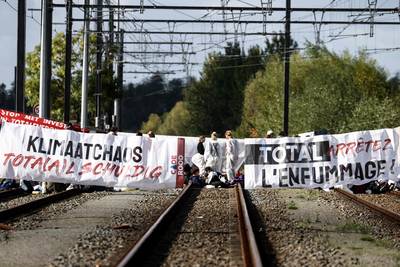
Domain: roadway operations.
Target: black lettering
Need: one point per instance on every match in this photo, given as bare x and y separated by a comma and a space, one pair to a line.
41, 146
127, 154
108, 152
320, 179
69, 150
137, 154
87, 148
49, 148
329, 171
55, 145
118, 154
293, 177
282, 178
31, 143
358, 172
78, 151
370, 173
95, 155
381, 167
305, 174
344, 169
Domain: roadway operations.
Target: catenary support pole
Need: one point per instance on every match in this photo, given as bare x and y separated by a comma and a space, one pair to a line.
120, 80
68, 52
21, 41
85, 67
110, 55
99, 52
287, 71
45, 59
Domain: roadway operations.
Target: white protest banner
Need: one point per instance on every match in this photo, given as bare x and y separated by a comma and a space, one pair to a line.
36, 153
322, 161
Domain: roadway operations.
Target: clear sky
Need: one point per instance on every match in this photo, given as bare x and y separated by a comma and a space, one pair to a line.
336, 37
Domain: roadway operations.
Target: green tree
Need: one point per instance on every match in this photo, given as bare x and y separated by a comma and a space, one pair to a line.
276, 46
152, 124
326, 91
215, 101
177, 121
58, 78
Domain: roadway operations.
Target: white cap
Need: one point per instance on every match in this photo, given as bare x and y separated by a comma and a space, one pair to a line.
270, 132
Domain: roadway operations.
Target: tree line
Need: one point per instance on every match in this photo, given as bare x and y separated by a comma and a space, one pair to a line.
333, 92
237, 89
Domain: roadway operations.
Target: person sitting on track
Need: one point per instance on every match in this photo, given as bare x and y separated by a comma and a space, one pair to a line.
196, 179
214, 179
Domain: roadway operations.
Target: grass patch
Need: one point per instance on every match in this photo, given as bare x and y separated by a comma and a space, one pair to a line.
292, 205
353, 228
378, 242
311, 194
384, 243
368, 238
355, 248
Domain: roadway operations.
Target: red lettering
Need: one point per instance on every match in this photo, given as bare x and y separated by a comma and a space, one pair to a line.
99, 165
377, 145
55, 164
156, 172
45, 164
8, 156
38, 161
118, 171
110, 169
70, 171
27, 160
18, 160
360, 146
138, 169
87, 167
350, 147
368, 143
387, 142
340, 147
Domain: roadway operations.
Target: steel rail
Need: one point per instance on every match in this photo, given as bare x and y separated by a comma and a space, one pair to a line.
135, 255
389, 214
11, 213
250, 251
12, 193
395, 193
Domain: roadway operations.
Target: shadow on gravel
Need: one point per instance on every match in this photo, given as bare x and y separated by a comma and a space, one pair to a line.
266, 250
160, 248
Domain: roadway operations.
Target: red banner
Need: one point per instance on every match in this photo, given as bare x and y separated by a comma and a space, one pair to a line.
180, 176
21, 118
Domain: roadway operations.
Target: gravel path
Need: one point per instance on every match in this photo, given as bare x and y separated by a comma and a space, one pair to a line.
205, 233
314, 228
54, 210
106, 244
86, 230
377, 225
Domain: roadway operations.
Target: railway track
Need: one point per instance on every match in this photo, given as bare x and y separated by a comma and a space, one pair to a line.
396, 193
395, 217
32, 206
170, 230
11, 194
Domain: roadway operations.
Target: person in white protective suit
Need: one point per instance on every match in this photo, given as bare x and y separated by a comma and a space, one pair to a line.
231, 156
212, 153
198, 158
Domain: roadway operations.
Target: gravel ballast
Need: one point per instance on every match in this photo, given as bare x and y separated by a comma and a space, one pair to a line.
204, 234
315, 228
87, 230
